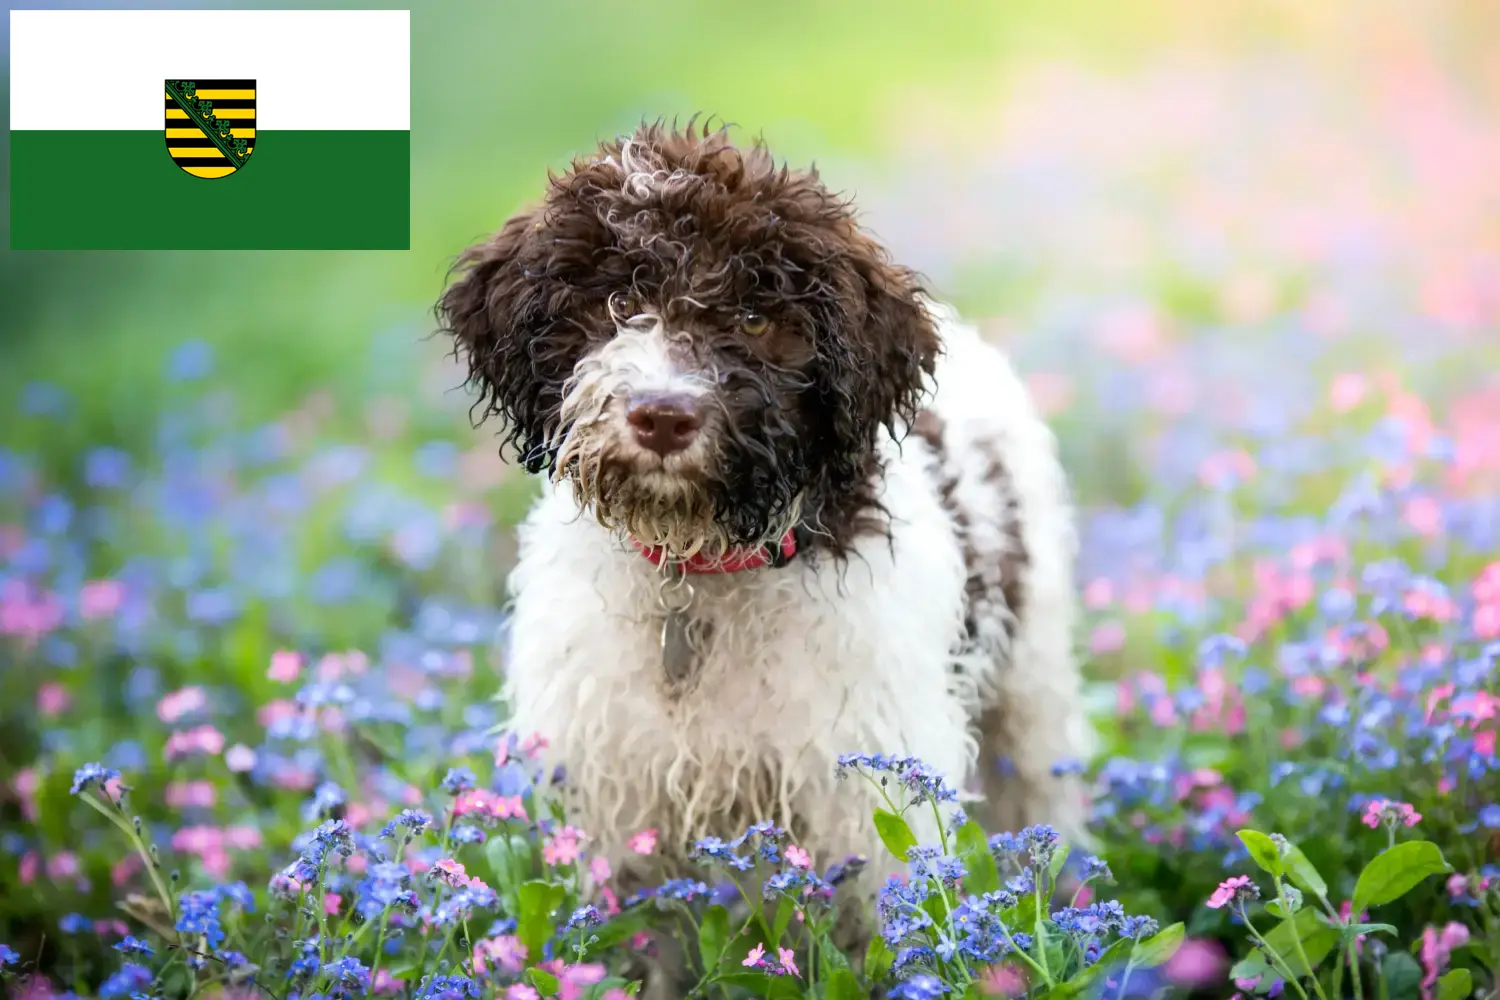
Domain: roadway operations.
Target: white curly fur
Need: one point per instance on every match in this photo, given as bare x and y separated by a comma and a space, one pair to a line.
814, 659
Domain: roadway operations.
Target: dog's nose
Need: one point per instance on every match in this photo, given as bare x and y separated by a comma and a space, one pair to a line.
664, 424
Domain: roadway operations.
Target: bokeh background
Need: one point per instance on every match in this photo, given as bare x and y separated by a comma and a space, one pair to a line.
1085, 176
1243, 252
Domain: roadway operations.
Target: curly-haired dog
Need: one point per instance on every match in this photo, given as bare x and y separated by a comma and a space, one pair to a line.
796, 508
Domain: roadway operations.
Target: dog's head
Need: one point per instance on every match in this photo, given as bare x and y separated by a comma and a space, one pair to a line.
703, 342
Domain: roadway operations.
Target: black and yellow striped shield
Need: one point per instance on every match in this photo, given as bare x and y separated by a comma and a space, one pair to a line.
210, 125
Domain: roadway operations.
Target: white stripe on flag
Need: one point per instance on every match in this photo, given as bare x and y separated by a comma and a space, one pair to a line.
318, 70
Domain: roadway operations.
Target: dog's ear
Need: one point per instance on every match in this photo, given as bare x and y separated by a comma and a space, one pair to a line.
514, 315
877, 345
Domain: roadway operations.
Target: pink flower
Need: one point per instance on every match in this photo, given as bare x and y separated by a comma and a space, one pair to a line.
575, 977
787, 963
599, 869
116, 928
191, 794
25, 785
385, 983
798, 857
506, 950
533, 745
502, 751
520, 991
563, 847
753, 959
1197, 962
644, 842
124, 868
331, 901
1346, 391
1458, 885
1107, 637
285, 666
52, 700
203, 739
1379, 811
1425, 516
1484, 743
1002, 981
247, 838
1436, 949
99, 599
239, 758
181, 702
1227, 891
450, 871
31, 867
63, 864
1099, 594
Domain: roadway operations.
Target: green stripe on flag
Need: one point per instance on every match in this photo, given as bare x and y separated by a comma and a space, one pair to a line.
121, 191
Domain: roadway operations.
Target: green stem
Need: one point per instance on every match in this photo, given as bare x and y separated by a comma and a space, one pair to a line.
1359, 986
1041, 925
384, 916
128, 828
1125, 978
1016, 950
1277, 961
1297, 940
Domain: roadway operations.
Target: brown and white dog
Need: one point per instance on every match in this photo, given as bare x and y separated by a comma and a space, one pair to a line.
796, 508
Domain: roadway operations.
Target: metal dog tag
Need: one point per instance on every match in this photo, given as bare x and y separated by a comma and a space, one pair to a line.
677, 650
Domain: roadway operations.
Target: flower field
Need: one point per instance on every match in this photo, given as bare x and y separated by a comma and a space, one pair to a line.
247, 673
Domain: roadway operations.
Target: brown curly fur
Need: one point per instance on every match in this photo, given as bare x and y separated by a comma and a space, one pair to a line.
683, 218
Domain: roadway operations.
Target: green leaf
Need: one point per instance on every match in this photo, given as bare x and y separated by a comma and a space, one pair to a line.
1372, 929
973, 847
843, 986
1273, 907
761, 985
1456, 985
784, 914
894, 833
618, 928
1162, 945
1107, 964
1252, 965
878, 959
1059, 858
1393, 873
713, 936
1318, 939
1402, 975
1302, 873
545, 982
1262, 851
538, 901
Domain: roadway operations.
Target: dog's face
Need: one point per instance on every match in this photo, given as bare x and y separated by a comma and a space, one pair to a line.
704, 344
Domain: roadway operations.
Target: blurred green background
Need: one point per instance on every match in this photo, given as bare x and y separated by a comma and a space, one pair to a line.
503, 91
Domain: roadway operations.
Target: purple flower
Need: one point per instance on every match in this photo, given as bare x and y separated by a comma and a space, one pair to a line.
8, 955
90, 776
129, 979
457, 780
922, 986
134, 946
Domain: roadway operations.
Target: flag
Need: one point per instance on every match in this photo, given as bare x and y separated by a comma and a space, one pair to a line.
210, 129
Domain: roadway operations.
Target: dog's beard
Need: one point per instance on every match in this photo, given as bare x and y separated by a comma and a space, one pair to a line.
731, 490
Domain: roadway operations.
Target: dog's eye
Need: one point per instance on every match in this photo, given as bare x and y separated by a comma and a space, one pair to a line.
622, 306
754, 324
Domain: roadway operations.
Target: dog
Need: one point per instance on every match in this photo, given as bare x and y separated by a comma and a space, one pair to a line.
794, 508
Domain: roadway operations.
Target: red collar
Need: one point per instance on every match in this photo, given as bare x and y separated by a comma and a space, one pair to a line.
733, 562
